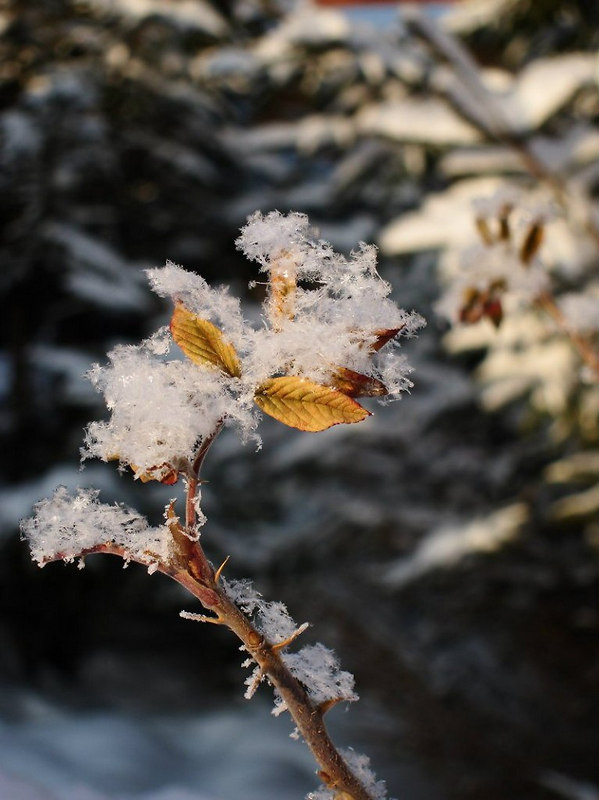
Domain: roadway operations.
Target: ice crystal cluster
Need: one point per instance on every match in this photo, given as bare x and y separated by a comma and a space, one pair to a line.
335, 308
315, 666
360, 766
67, 526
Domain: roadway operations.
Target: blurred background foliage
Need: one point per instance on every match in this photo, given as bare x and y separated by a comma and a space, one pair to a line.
447, 548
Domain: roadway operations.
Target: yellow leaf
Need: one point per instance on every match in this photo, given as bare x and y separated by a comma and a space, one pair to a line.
203, 342
306, 405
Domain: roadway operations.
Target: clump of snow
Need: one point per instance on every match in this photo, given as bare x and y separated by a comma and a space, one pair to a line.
159, 409
270, 618
483, 267
333, 319
317, 668
499, 264
193, 291
66, 525
506, 197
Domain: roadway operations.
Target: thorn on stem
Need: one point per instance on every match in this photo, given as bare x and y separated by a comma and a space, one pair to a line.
200, 617
219, 571
293, 637
326, 705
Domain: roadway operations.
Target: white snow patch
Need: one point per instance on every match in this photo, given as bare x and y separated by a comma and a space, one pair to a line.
449, 544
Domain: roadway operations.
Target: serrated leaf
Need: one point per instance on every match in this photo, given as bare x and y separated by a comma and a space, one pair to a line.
203, 342
306, 405
354, 384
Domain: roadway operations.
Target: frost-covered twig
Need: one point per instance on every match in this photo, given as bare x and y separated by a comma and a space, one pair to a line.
473, 100
319, 349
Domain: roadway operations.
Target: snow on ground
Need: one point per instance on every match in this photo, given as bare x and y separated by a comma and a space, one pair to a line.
52, 754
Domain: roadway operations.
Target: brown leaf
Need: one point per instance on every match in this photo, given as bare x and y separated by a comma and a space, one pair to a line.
165, 473
354, 384
203, 342
306, 405
479, 303
383, 336
532, 242
482, 226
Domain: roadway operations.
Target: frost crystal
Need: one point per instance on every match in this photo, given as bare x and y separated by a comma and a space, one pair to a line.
160, 409
64, 526
360, 766
271, 618
185, 287
317, 668
333, 319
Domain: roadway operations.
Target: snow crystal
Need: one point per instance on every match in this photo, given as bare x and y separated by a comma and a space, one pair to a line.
160, 409
317, 668
271, 618
66, 525
265, 238
332, 320
359, 764
186, 287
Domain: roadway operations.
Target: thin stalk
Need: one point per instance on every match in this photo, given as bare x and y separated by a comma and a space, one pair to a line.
199, 578
308, 717
194, 572
189, 566
192, 476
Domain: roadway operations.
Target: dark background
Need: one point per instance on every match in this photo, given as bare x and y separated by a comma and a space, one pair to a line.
130, 137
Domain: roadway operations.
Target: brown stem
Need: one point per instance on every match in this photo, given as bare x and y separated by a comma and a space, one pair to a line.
196, 574
307, 716
199, 578
189, 567
193, 477
584, 347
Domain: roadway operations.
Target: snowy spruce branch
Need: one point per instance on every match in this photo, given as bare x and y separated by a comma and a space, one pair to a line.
504, 272
328, 336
